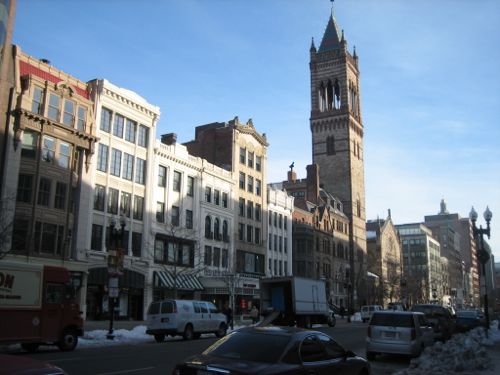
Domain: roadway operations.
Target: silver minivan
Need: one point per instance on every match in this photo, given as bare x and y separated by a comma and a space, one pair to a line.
188, 318
398, 332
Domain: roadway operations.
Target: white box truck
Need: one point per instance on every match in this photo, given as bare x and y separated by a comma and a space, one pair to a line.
292, 300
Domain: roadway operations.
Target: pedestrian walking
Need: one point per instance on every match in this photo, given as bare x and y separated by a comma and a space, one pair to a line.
229, 315
342, 311
254, 313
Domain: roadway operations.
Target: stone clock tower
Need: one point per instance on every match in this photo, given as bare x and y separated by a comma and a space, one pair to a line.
337, 140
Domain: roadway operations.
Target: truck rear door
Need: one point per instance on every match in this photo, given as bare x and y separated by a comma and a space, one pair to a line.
52, 311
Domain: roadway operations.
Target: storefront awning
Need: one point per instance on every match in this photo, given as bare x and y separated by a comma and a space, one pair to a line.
165, 279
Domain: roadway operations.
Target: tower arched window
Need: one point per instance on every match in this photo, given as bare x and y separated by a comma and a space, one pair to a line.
217, 228
358, 207
330, 145
336, 99
329, 96
321, 98
208, 227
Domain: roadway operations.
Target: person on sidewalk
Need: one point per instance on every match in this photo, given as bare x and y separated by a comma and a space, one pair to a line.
254, 313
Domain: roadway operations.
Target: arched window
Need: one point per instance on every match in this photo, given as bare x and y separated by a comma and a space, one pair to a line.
208, 227
336, 87
217, 228
330, 145
321, 98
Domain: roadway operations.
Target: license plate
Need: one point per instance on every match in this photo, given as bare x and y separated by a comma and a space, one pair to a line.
390, 334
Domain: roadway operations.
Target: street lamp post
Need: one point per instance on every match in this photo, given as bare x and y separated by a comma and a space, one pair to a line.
115, 259
482, 255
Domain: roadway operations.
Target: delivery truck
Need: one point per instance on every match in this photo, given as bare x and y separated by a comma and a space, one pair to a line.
38, 306
292, 300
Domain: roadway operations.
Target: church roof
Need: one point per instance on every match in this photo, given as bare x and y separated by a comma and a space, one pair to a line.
332, 37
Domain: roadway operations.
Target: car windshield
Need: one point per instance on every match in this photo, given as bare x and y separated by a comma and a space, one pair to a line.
256, 347
393, 320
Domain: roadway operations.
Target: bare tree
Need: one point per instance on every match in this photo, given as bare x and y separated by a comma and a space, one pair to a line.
7, 208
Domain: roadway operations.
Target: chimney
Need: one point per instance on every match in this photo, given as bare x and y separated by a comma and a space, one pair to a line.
169, 139
312, 183
292, 176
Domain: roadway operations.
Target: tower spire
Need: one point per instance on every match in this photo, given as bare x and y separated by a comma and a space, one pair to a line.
332, 37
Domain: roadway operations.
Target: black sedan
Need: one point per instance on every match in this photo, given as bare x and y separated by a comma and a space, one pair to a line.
274, 350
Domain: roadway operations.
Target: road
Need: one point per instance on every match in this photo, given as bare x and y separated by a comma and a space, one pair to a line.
152, 358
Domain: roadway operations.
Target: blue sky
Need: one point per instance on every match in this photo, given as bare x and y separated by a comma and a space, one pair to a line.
430, 82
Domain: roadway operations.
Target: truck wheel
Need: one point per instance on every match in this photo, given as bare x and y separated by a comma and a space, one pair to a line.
160, 338
188, 332
68, 341
30, 347
221, 332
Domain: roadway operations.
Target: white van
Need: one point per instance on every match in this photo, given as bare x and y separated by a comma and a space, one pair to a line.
184, 317
368, 310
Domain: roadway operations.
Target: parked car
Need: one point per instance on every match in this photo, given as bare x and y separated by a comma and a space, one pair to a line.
398, 306
368, 310
440, 318
398, 332
22, 365
467, 320
184, 317
274, 350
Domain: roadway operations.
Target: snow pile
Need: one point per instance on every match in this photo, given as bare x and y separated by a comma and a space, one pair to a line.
463, 353
98, 337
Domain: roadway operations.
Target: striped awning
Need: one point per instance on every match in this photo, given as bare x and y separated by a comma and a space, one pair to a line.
165, 279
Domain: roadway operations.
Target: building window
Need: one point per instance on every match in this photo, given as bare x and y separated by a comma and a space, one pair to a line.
49, 149
189, 219
96, 239
257, 236
241, 232
99, 197
175, 216
162, 176
243, 152
270, 245
208, 227
224, 200
82, 118
250, 184
258, 212
116, 162
224, 258
242, 180
128, 166
118, 126
285, 222
285, 248
113, 201
190, 186
241, 207
216, 257
250, 210
60, 197
280, 221
216, 197
258, 188
275, 242
64, 155
208, 194
177, 181
37, 102
142, 139
29, 144
69, 112
270, 218
54, 104
250, 159
130, 130
275, 222
208, 255
160, 212
44, 191
138, 207
106, 120
258, 163
281, 244
102, 158
140, 171
249, 233
125, 203
48, 238
225, 231
136, 244
24, 188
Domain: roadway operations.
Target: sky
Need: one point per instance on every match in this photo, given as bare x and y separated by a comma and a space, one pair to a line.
430, 82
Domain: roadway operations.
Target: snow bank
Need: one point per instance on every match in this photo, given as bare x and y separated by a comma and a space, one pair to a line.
463, 353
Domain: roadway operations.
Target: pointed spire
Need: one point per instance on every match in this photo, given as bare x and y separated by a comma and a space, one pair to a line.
343, 39
332, 37
354, 55
313, 47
